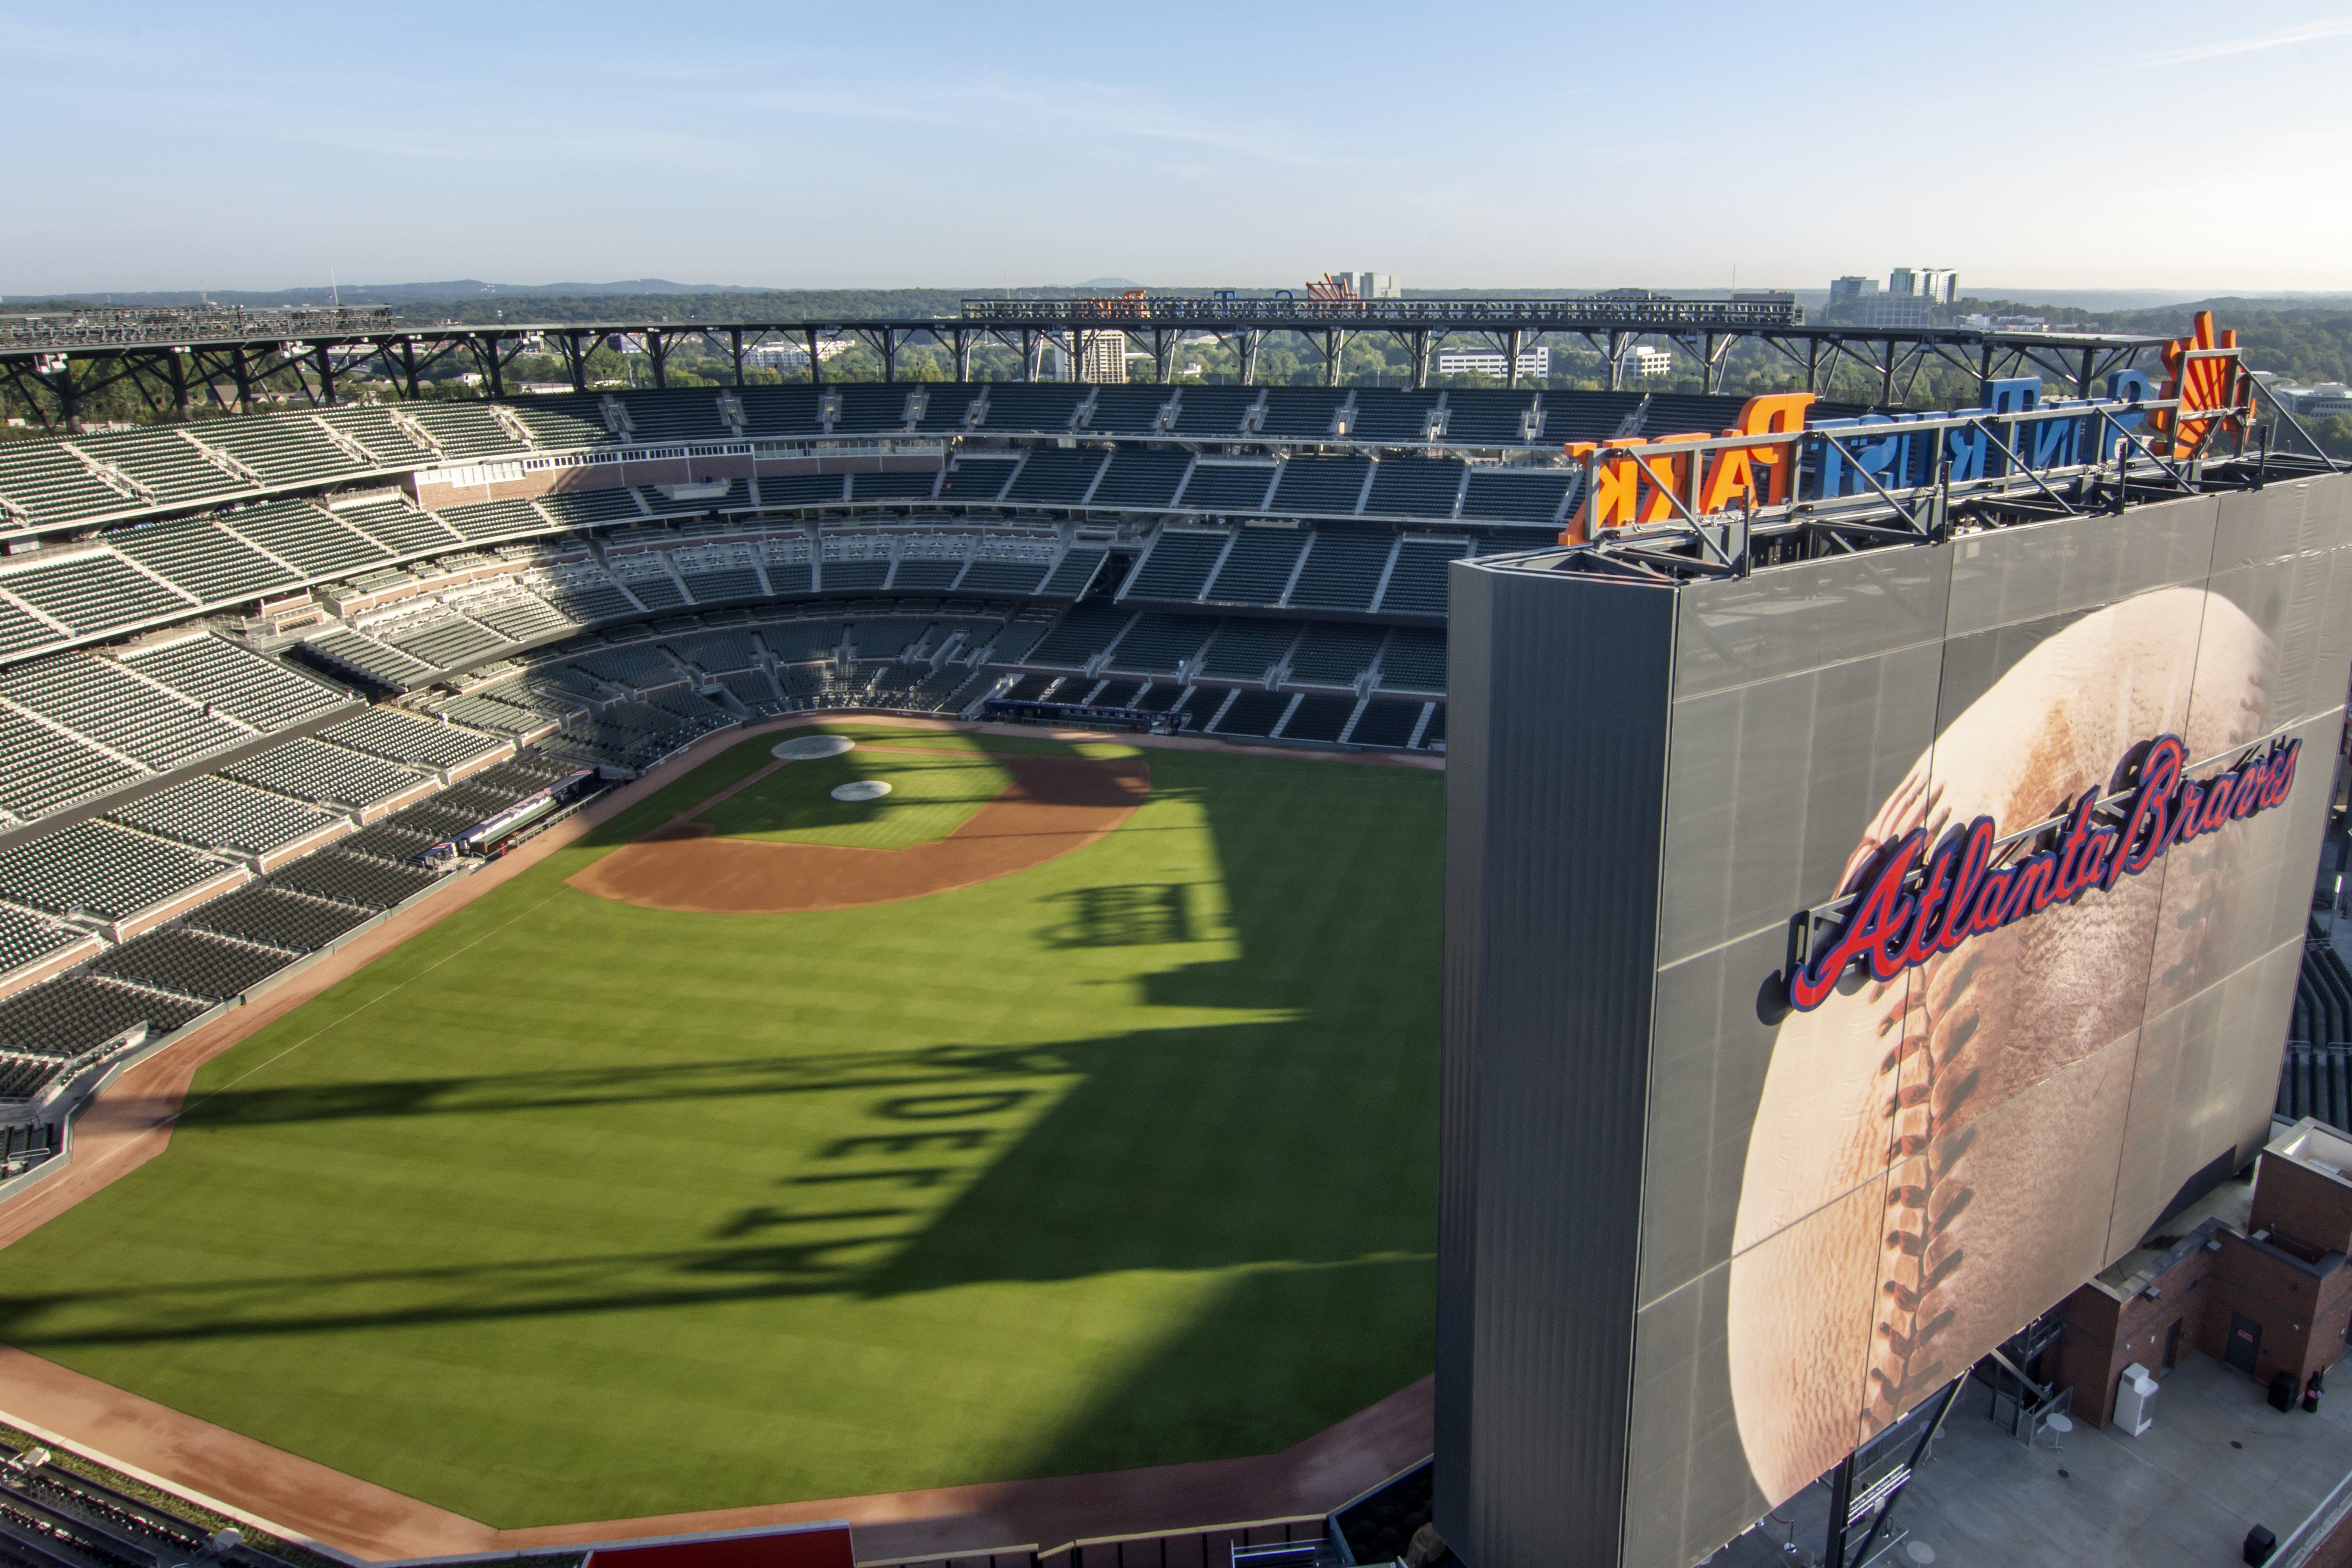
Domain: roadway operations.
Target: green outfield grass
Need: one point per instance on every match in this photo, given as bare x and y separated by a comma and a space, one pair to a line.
935, 786
568, 1209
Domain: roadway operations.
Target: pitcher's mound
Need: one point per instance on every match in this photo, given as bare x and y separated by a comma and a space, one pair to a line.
862, 789
1055, 804
808, 748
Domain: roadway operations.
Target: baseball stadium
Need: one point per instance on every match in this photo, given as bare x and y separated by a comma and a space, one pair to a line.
1055, 970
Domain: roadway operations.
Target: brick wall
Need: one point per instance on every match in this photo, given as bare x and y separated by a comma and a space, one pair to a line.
2310, 1206
2105, 1335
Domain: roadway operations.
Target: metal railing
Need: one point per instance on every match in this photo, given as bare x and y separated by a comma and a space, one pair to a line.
103, 328
1582, 313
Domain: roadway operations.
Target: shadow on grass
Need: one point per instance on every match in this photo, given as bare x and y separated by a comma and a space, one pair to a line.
1298, 1152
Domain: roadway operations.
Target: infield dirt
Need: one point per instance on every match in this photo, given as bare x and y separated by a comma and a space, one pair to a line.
1054, 805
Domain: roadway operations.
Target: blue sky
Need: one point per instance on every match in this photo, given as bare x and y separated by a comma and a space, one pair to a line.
2085, 144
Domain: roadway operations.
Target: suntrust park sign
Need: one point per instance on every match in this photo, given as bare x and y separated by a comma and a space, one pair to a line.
1903, 915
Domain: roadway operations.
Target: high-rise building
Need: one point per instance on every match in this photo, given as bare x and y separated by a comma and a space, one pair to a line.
1490, 362
1101, 357
1937, 285
1847, 289
1370, 285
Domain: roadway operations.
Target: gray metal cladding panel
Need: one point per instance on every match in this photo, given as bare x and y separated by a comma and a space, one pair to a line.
1556, 803
1773, 784
2064, 568
1792, 618
2203, 1084
1687, 1487
2303, 825
2285, 599
1469, 681
2334, 660
2274, 523
1707, 1076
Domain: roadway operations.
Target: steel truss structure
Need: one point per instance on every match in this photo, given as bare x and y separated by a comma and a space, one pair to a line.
2104, 457
174, 357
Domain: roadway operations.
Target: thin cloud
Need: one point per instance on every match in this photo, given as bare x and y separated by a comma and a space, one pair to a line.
2309, 32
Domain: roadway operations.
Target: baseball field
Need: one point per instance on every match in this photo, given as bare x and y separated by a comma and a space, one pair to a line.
639, 1185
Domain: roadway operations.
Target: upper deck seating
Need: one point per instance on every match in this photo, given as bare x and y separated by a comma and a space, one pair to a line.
1325, 485
96, 869
202, 560
1517, 495
1227, 487
399, 737
779, 411
1084, 632
327, 775
250, 687
566, 421
1302, 412
315, 543
94, 593
166, 465
460, 431
947, 406
401, 529
1044, 407
48, 484
46, 770
581, 508
283, 448
1416, 486
214, 812
1417, 582
871, 409
1395, 417
1140, 480
381, 433
1127, 410
1053, 477
662, 418
974, 479
1476, 417
1342, 570
1246, 650
1258, 567
1332, 653
1177, 566
104, 701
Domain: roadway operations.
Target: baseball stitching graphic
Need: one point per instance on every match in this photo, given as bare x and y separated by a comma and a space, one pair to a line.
1933, 1157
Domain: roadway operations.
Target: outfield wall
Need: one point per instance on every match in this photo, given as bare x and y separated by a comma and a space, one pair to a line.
1718, 1207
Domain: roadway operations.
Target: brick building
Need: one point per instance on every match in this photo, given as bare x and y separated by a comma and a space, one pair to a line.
2254, 1278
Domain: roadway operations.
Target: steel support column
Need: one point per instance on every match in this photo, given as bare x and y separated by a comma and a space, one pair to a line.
962, 355
1616, 360
326, 375
816, 361
889, 353
241, 370
1251, 337
735, 352
176, 372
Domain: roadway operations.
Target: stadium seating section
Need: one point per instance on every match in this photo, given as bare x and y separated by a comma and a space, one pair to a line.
258, 687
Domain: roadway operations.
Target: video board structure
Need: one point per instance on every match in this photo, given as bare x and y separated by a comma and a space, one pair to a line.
1845, 959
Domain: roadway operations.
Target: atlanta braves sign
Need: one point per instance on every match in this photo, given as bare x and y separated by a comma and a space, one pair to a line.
1904, 913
